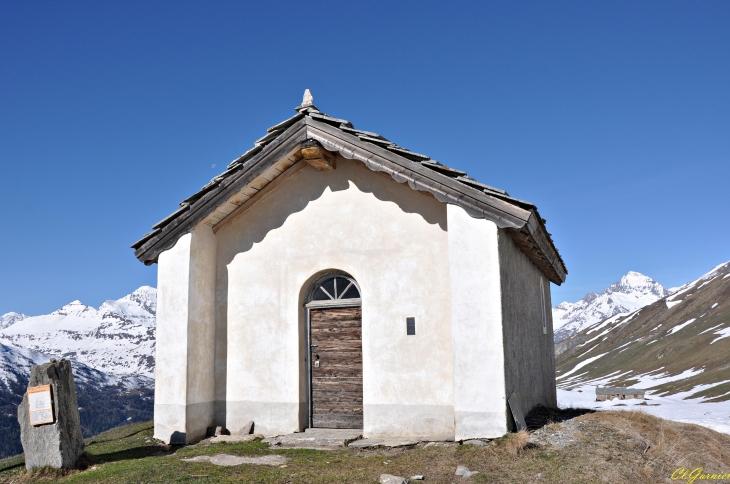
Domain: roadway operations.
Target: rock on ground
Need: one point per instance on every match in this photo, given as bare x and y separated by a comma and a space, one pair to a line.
60, 444
395, 442
464, 471
391, 479
246, 429
235, 460
235, 438
559, 435
315, 439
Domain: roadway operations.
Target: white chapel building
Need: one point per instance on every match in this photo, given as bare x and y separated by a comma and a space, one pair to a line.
331, 278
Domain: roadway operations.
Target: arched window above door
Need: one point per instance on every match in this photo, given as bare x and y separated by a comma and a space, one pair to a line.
335, 288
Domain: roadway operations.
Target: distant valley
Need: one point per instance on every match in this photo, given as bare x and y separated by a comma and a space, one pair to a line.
678, 347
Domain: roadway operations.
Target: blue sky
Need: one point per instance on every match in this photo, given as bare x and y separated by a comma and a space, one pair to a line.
613, 117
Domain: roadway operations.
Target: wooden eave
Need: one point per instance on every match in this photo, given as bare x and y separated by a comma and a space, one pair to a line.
520, 219
166, 237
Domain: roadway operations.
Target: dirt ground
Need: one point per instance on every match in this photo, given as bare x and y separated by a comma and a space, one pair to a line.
560, 446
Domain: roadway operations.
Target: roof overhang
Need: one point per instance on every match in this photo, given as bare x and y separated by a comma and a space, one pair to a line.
236, 189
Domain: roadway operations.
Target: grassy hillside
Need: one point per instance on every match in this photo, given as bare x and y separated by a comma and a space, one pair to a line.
678, 339
563, 447
99, 409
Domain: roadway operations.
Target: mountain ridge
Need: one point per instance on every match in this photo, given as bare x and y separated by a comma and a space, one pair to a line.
632, 291
117, 338
679, 344
9, 319
112, 352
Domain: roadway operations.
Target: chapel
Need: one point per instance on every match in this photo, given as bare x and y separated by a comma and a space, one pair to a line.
330, 278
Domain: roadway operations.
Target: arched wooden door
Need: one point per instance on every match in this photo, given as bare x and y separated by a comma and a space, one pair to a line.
334, 315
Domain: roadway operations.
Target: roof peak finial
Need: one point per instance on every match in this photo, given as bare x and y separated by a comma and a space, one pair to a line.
307, 100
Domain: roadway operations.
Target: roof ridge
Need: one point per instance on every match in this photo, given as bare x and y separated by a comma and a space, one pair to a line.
308, 110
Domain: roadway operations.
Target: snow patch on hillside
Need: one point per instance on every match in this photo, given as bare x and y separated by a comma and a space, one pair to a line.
680, 326
723, 333
677, 407
716, 272
580, 365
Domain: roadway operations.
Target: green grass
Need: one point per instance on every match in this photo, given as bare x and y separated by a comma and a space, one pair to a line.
129, 454
608, 445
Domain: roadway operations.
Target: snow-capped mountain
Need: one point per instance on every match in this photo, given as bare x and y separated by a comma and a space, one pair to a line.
633, 291
117, 339
15, 366
16, 362
678, 348
112, 352
10, 319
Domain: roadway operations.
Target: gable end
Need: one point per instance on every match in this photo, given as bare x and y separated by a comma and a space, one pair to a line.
281, 148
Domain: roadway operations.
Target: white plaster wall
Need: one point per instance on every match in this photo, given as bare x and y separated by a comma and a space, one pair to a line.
201, 332
529, 354
184, 376
393, 241
171, 346
476, 320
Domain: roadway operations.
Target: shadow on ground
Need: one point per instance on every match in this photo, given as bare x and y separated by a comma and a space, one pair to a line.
15, 462
134, 453
541, 416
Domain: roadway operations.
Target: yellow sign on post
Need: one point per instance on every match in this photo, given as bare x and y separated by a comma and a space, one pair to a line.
40, 404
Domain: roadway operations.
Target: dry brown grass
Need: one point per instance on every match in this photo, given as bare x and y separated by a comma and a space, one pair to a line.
630, 447
45, 474
650, 449
516, 443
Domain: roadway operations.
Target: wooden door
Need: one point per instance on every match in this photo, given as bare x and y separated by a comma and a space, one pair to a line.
336, 367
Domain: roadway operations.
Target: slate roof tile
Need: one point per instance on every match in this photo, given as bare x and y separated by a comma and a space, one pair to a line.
264, 140
408, 154
467, 180
242, 159
436, 166
171, 217
359, 132
286, 123
147, 236
384, 143
370, 137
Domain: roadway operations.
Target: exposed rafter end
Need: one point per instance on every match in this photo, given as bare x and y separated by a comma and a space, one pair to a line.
525, 241
314, 154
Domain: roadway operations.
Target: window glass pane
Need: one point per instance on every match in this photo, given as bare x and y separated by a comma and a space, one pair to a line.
352, 293
319, 295
329, 286
341, 284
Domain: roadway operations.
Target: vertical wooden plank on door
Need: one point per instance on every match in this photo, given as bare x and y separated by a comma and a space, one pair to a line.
337, 367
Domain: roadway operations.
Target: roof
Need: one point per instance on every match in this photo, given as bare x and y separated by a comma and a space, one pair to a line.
619, 390
279, 152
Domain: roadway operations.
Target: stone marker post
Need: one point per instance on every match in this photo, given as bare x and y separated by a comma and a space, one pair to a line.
58, 444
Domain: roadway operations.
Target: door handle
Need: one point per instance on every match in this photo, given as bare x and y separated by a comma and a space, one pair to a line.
314, 346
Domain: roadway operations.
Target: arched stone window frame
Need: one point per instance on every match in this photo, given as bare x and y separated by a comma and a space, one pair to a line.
321, 294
